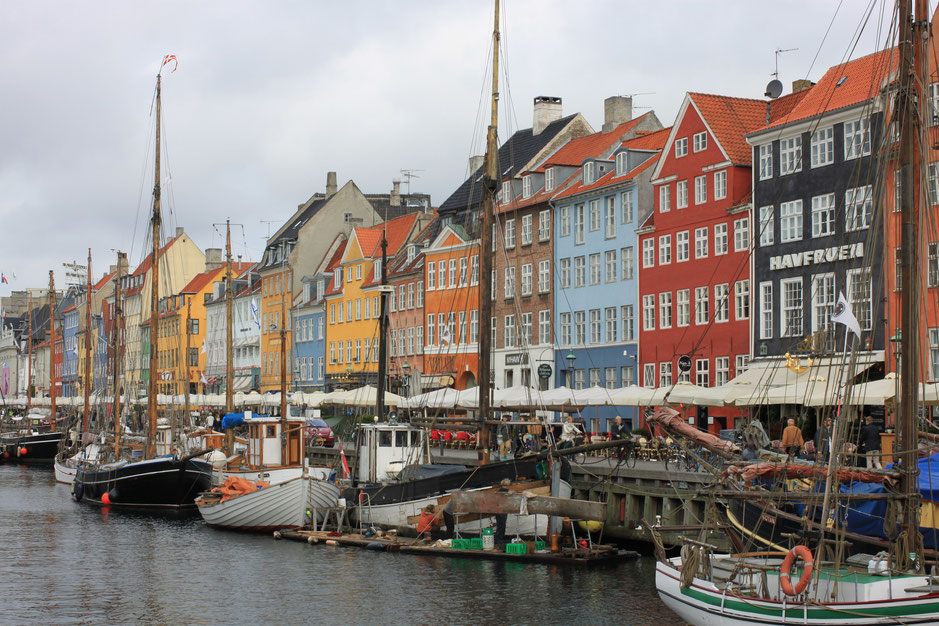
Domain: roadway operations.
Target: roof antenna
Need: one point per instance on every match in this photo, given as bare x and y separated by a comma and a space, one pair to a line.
775, 87
633, 95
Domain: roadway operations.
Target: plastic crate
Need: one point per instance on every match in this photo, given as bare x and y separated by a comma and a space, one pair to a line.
516, 548
476, 543
459, 544
539, 546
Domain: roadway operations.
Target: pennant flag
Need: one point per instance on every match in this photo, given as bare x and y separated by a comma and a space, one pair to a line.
3, 279
202, 378
843, 315
345, 464
254, 313
203, 347
170, 58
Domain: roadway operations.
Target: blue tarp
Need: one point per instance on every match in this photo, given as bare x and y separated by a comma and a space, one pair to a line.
233, 419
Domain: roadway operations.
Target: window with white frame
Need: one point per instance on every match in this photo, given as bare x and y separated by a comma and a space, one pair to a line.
933, 353
431, 275
442, 274
648, 252
721, 302
590, 172
665, 373
665, 309
578, 379
742, 234
564, 272
474, 326
526, 186
595, 326
932, 265
791, 307
700, 141
580, 328
823, 215
683, 307
626, 376
742, 364
700, 189
681, 147
580, 271
544, 276
411, 287
509, 234
681, 194
626, 206
648, 312
665, 203
627, 317
463, 271
823, 301
702, 373
565, 322
722, 369
509, 286
579, 225
626, 263
720, 238
526, 279
859, 295
544, 225
790, 221
544, 327
565, 221
701, 309
595, 269
720, 185
766, 225
682, 246
742, 299
509, 330
594, 215
549, 179
790, 155
932, 182
506, 192
622, 163
665, 249
609, 265
701, 242
609, 314
453, 275
610, 377
823, 146
857, 138
609, 217
766, 310
858, 208
766, 161
526, 334
648, 374
527, 229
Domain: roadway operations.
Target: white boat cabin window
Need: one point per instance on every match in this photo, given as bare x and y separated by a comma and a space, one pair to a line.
271, 431
401, 439
384, 438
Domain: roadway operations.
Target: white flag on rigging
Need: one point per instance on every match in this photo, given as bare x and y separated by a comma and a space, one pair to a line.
203, 347
254, 313
445, 335
843, 315
202, 378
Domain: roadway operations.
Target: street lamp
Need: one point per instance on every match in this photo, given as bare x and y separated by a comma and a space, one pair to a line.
896, 340
571, 357
406, 370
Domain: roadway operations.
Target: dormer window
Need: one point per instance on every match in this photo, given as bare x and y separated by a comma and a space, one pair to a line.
412, 252
526, 186
590, 172
622, 163
306, 292
506, 192
377, 269
549, 179
337, 277
320, 287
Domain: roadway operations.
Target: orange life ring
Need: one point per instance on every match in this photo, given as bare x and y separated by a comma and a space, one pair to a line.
786, 567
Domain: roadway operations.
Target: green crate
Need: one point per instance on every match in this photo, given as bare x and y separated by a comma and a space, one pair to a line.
476, 543
539, 546
459, 544
516, 548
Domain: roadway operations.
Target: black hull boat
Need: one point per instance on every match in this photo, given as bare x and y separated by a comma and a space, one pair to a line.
31, 449
165, 483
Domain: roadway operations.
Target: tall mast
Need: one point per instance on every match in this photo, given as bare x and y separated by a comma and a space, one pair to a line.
29, 357
382, 331
910, 106
229, 330
283, 355
86, 381
116, 363
186, 365
485, 256
52, 348
154, 288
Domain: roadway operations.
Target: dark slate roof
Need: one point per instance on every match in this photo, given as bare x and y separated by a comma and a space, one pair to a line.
290, 233
410, 203
513, 154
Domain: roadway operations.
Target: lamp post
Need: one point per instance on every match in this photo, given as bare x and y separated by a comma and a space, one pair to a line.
406, 370
571, 357
896, 340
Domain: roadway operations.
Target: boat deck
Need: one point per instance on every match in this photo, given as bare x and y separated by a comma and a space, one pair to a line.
409, 545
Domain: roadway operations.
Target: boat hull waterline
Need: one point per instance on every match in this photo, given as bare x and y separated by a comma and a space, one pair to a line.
165, 483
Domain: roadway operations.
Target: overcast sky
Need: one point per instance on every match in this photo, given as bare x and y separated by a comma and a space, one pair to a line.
269, 96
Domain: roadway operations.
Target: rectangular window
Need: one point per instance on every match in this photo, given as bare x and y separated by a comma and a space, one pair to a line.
590, 172
474, 270
683, 308
720, 185
766, 225
580, 328
430, 329
580, 271
701, 242
648, 312
506, 191
452, 273
564, 272
626, 206
410, 296
790, 221
857, 138
526, 279
464, 266
526, 186
742, 299
526, 230
627, 317
766, 161
411, 339
932, 266
933, 182
392, 301
823, 301
578, 379
544, 327
595, 326
509, 282
665, 203
766, 310
823, 215
442, 274
431, 275
648, 252
823, 146
595, 269
648, 374
626, 376
474, 326
565, 329
665, 374
419, 292
681, 194
609, 217
791, 309
859, 295
700, 189
858, 208
742, 363
526, 330
610, 377
701, 312
665, 249
626, 262
442, 336
610, 265
682, 246
544, 225
721, 302
742, 234
681, 147
933, 353
565, 221
665, 309
790, 155
358, 309
579, 223
700, 141
722, 368
609, 314
594, 215
549, 179
544, 276
702, 374
720, 238
509, 331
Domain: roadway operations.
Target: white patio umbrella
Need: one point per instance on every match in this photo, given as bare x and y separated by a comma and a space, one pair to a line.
363, 397
632, 396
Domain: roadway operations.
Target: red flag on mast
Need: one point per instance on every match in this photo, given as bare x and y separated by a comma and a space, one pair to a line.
167, 59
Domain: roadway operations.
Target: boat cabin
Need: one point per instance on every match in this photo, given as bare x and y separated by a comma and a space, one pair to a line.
265, 441
385, 448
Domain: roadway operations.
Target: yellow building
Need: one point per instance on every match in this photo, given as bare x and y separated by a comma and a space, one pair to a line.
353, 300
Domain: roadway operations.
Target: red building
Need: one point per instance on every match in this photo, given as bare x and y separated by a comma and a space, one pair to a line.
694, 258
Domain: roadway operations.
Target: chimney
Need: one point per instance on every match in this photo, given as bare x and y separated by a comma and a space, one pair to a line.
799, 85
330, 184
616, 110
111, 269
395, 199
180, 230
476, 162
213, 258
547, 110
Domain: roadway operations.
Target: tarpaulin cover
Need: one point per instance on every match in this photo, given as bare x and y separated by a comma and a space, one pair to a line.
425, 470
233, 419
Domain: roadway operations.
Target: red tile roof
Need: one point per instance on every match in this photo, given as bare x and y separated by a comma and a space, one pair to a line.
654, 140
862, 80
104, 281
575, 151
730, 119
200, 281
396, 233
607, 179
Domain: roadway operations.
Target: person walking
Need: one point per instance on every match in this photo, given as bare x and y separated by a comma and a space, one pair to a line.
870, 439
792, 440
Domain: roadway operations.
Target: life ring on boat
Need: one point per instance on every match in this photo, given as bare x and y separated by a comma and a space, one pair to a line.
786, 567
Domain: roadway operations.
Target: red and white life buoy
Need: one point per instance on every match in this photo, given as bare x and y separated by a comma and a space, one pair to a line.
786, 567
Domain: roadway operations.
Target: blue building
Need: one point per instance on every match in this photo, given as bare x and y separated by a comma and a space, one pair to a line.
70, 351
309, 337
596, 278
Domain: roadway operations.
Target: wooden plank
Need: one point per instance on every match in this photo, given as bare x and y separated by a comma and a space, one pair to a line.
493, 502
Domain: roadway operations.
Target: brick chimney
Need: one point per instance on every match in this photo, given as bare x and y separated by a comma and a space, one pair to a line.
475, 162
547, 110
180, 231
213, 258
799, 85
395, 199
330, 184
616, 110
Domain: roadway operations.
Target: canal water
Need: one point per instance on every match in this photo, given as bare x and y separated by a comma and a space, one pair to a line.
63, 562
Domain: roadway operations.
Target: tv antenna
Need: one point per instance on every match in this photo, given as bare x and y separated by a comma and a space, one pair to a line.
408, 174
633, 95
269, 222
775, 87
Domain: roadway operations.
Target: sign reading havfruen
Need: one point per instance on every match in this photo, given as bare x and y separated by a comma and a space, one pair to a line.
816, 257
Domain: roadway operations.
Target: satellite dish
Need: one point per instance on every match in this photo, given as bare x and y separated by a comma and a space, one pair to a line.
773, 89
